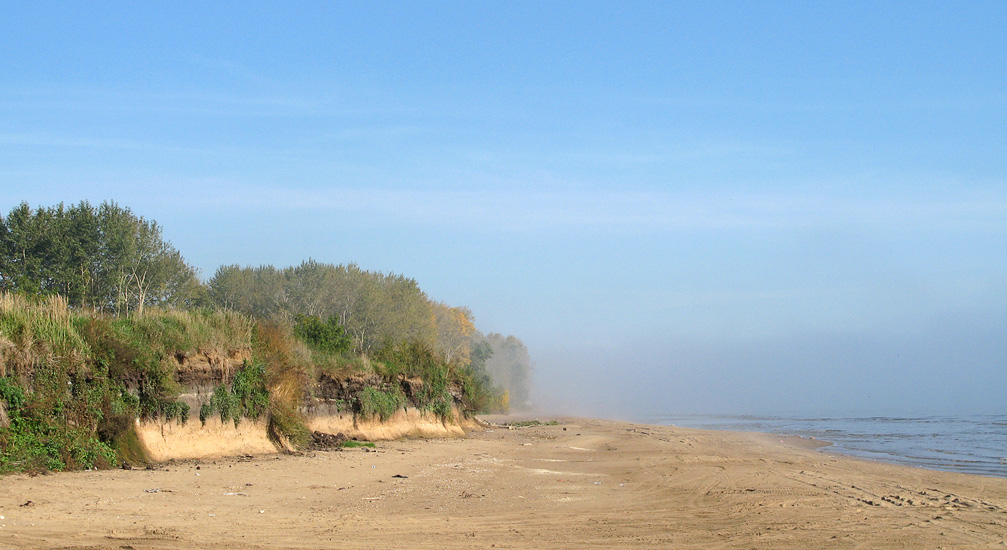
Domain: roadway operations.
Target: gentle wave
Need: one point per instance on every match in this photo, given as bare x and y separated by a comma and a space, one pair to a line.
975, 444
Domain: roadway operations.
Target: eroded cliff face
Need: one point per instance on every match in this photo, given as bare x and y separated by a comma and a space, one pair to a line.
329, 410
200, 373
333, 395
166, 440
408, 422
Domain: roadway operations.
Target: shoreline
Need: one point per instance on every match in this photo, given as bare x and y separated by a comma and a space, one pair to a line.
797, 441
950, 447
582, 483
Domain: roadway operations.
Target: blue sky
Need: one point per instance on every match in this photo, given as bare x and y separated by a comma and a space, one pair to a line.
680, 207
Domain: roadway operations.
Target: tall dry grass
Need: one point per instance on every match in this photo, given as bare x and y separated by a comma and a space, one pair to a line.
190, 331
34, 332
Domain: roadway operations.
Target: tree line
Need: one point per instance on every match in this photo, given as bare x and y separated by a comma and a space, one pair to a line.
111, 260
378, 312
106, 258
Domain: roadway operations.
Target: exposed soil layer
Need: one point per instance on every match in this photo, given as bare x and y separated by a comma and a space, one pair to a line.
200, 373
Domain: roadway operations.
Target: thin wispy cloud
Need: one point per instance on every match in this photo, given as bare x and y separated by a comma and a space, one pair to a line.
57, 141
334, 102
607, 210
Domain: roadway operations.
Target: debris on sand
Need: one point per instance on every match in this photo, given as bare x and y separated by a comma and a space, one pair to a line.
327, 442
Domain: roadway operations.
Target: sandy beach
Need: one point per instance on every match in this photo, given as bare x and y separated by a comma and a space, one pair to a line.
582, 483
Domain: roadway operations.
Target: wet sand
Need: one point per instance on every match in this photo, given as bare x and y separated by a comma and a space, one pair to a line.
580, 484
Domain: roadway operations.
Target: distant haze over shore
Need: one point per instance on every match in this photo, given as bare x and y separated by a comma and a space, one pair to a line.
763, 207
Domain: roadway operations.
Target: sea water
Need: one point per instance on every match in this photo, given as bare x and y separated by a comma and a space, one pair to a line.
968, 444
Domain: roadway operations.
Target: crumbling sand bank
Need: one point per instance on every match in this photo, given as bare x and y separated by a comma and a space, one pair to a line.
164, 440
167, 440
406, 423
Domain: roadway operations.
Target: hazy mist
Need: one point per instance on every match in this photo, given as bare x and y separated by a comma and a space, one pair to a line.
775, 208
950, 366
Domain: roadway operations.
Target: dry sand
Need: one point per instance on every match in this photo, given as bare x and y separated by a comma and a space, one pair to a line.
580, 484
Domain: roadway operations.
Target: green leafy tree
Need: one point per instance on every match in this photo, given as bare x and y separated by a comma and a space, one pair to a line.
374, 309
106, 257
324, 336
258, 291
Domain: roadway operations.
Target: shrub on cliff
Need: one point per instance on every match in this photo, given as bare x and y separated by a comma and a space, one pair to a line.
247, 397
382, 404
54, 405
288, 373
322, 336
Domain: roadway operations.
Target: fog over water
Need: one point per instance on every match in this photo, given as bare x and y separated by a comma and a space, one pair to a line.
716, 207
955, 369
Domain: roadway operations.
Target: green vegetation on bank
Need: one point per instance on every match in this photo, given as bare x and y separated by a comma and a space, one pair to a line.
72, 382
101, 321
247, 397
